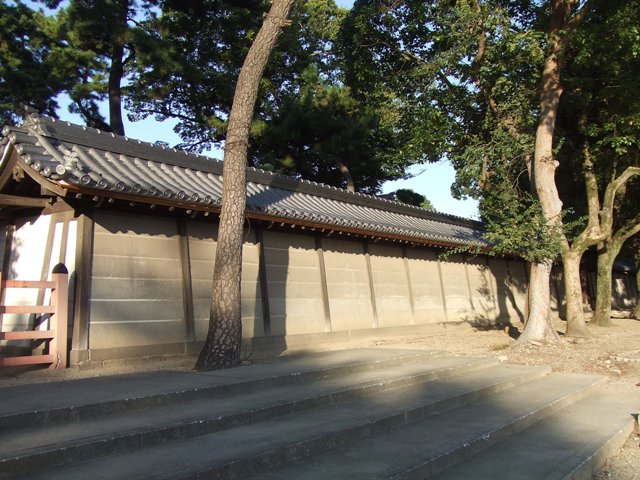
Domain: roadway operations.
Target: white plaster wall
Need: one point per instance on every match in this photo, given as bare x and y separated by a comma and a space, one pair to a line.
293, 280
425, 284
347, 285
390, 285
483, 288
136, 286
456, 289
25, 263
202, 251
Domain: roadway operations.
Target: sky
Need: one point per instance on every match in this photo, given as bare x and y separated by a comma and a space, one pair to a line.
431, 180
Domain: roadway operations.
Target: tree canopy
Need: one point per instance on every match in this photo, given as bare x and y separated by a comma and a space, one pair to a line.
180, 60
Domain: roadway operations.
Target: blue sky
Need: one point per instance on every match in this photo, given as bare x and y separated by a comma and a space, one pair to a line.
431, 180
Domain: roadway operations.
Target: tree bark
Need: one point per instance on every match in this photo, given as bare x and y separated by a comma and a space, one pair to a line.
607, 254
115, 90
602, 311
116, 72
544, 166
573, 286
223, 342
539, 325
346, 174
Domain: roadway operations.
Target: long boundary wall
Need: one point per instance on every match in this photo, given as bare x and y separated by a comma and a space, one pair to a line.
143, 284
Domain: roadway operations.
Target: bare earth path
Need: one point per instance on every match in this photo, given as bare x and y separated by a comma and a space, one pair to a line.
614, 352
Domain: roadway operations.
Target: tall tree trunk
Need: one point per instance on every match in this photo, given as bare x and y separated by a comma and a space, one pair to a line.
223, 342
115, 90
544, 165
116, 71
539, 325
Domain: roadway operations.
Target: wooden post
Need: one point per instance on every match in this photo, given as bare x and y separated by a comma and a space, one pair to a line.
407, 273
372, 289
59, 320
323, 285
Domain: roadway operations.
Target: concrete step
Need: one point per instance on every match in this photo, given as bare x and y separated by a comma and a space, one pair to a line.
574, 443
29, 448
375, 413
245, 450
437, 442
32, 405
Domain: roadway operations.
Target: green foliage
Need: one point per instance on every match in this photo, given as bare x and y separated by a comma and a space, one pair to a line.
422, 61
30, 52
318, 132
600, 112
521, 229
406, 195
462, 80
180, 60
195, 54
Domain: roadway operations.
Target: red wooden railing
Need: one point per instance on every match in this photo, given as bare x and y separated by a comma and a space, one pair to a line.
56, 336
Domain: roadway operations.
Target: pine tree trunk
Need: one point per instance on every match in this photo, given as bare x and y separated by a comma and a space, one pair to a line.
223, 342
116, 72
539, 326
115, 90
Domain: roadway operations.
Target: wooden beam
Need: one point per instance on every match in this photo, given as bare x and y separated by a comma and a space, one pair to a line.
42, 181
27, 309
17, 201
443, 295
7, 168
27, 335
257, 216
26, 360
27, 284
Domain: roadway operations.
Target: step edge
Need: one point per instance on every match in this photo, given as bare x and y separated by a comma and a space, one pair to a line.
48, 457
479, 443
74, 412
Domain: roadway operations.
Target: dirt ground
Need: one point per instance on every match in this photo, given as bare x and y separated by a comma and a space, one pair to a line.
612, 351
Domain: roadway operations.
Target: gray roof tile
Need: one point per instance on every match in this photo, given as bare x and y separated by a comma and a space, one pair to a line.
86, 159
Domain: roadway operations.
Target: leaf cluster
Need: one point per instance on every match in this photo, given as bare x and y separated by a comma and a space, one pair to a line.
31, 69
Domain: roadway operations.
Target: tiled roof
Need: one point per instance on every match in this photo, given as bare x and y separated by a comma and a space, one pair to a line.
86, 160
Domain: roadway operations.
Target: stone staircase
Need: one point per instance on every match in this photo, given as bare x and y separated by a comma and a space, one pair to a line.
370, 413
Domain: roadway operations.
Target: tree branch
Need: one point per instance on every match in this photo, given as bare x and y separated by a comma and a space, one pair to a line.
475, 67
610, 195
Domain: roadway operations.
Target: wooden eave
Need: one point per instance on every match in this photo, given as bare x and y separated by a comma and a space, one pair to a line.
13, 166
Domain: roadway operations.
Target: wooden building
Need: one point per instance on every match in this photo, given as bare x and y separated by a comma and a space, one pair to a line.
136, 226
